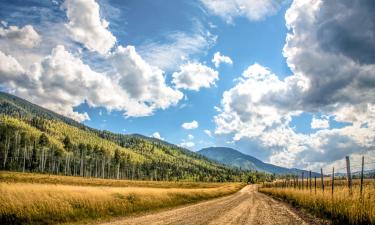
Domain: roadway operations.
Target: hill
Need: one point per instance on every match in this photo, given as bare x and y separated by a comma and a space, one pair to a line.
232, 157
36, 139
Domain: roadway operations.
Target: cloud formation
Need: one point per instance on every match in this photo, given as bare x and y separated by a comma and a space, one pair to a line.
25, 36
87, 27
190, 125
179, 48
194, 76
187, 144
157, 136
317, 123
143, 83
126, 82
253, 10
208, 132
219, 59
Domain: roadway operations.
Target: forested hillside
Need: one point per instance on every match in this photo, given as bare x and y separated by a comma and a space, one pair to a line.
38, 140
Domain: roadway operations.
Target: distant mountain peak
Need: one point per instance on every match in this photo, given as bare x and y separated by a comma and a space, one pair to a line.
235, 158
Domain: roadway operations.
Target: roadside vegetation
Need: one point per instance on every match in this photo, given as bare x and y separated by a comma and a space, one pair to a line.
342, 207
37, 178
43, 199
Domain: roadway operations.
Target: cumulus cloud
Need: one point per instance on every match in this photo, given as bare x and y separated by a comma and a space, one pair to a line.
219, 59
25, 36
317, 123
253, 10
258, 102
60, 88
126, 83
261, 106
329, 77
194, 76
157, 136
190, 137
190, 125
9, 68
86, 26
336, 71
143, 83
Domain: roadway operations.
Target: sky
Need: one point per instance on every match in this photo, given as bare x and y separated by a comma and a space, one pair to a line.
289, 82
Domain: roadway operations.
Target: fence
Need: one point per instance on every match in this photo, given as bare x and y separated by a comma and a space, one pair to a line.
327, 180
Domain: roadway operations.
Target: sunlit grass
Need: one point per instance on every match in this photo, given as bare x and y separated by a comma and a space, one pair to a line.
341, 207
16, 177
37, 203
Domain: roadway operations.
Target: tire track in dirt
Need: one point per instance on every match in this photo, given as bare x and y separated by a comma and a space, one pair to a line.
245, 207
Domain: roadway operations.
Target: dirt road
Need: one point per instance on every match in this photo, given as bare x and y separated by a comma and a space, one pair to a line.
245, 207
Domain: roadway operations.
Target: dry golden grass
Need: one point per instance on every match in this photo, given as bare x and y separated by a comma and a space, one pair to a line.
36, 203
17, 177
342, 207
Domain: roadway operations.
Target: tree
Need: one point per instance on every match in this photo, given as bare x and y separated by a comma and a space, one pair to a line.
34, 159
67, 143
43, 142
117, 159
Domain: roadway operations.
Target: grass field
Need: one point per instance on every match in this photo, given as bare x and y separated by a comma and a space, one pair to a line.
44, 199
16, 177
341, 207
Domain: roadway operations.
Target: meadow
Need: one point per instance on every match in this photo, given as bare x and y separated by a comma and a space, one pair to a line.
342, 207
48, 199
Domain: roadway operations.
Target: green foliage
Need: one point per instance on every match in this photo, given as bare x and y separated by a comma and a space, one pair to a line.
36, 139
259, 177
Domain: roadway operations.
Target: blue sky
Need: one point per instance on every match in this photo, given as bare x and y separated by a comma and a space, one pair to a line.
288, 87
245, 42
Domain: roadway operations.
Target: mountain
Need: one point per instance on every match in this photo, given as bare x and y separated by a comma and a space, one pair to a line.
36, 139
232, 157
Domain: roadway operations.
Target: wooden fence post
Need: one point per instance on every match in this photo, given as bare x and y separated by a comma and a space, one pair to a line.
297, 182
302, 182
315, 184
322, 178
363, 165
348, 174
310, 181
333, 179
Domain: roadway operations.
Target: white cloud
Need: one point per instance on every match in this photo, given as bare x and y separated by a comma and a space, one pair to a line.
178, 49
332, 75
260, 108
190, 137
258, 102
190, 125
58, 87
208, 132
126, 82
194, 76
9, 68
25, 36
157, 136
319, 123
86, 26
251, 9
218, 59
187, 144
143, 83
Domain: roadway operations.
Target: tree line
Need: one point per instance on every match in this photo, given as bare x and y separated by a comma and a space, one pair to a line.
25, 151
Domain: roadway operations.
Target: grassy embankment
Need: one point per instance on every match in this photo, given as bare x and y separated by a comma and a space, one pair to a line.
44, 199
341, 207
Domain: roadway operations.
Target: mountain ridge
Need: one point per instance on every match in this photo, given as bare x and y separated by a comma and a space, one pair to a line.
135, 155
235, 158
